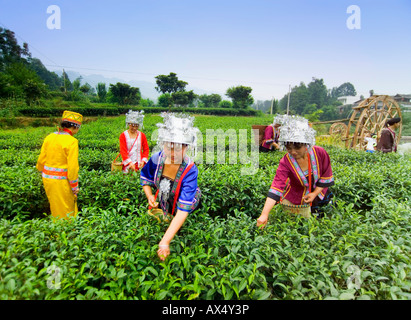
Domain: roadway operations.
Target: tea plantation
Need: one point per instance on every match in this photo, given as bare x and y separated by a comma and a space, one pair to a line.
361, 249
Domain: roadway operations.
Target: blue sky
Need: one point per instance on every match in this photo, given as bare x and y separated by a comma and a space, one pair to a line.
265, 44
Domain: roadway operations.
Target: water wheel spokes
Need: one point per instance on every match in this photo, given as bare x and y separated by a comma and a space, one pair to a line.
372, 115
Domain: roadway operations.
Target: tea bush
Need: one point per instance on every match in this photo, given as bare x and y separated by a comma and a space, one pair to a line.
359, 250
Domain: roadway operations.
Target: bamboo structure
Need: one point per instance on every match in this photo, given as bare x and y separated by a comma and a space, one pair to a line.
369, 117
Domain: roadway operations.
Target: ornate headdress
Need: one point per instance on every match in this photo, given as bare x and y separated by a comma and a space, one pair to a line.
177, 128
296, 129
135, 117
73, 117
280, 119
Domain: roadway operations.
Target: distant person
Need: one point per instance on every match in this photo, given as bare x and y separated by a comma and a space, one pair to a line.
173, 174
58, 163
387, 142
371, 140
134, 148
271, 136
303, 163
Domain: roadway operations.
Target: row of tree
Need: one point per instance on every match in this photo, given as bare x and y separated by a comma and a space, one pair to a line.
22, 76
314, 101
25, 77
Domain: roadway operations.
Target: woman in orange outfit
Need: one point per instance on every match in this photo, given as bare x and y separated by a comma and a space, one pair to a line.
58, 162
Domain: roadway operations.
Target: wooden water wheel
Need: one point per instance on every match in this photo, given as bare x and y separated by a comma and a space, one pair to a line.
338, 128
370, 117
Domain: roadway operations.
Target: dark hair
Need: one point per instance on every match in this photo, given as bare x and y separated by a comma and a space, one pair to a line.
295, 145
392, 121
68, 124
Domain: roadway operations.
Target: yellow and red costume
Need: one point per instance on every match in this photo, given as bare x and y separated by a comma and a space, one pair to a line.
58, 162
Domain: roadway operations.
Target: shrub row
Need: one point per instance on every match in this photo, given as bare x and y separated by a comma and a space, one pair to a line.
93, 111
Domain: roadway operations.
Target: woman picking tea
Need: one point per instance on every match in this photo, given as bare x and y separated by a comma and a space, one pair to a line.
303, 175
173, 174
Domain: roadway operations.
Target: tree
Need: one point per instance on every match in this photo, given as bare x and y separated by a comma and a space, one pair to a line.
225, 104
183, 98
170, 83
346, 89
241, 96
21, 82
211, 100
165, 101
10, 50
101, 91
123, 94
87, 89
329, 113
67, 85
33, 89
299, 97
51, 79
146, 103
76, 84
317, 92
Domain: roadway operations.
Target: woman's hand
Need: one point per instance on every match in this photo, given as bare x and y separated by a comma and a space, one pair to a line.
163, 251
141, 164
309, 197
152, 201
262, 221
132, 166
175, 225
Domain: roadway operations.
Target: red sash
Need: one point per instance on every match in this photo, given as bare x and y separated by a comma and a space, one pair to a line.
178, 188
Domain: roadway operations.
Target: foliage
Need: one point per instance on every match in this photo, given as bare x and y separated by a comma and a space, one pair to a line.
169, 83
306, 99
359, 250
101, 91
210, 100
346, 89
241, 96
10, 50
123, 94
183, 98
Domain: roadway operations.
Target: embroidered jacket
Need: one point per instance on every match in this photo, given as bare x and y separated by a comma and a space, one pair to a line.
271, 134
59, 158
189, 196
133, 152
291, 182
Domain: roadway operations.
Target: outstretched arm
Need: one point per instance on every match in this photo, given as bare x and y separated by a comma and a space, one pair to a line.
262, 220
175, 225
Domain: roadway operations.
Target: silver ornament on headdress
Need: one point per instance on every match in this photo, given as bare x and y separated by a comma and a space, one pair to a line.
280, 119
135, 117
164, 190
177, 128
296, 129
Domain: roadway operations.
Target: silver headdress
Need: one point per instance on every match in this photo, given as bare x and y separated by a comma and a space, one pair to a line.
296, 129
177, 128
280, 119
135, 117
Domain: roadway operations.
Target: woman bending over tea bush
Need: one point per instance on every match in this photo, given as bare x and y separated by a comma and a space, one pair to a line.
173, 174
303, 174
58, 163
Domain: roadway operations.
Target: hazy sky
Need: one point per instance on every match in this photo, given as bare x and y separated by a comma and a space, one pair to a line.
265, 44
